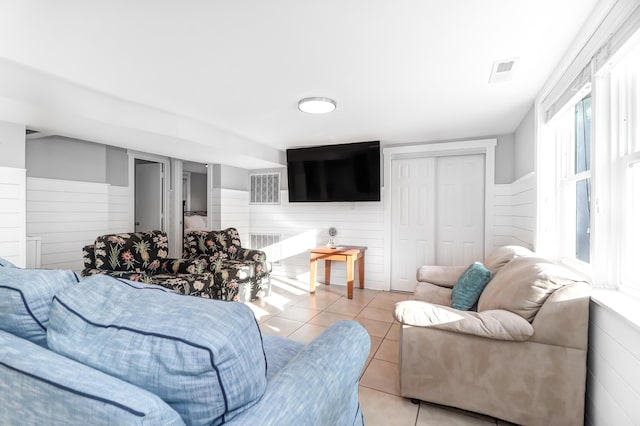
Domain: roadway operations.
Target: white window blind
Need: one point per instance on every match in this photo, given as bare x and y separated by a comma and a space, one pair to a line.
606, 41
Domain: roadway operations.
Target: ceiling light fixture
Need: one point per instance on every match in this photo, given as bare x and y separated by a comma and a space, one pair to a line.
316, 105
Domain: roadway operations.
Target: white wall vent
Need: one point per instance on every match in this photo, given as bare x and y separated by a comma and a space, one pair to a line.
265, 188
269, 243
503, 70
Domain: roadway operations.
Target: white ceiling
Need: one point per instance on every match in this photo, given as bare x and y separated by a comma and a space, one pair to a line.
222, 78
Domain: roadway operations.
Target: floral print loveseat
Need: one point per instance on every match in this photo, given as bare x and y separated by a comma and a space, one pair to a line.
142, 256
232, 265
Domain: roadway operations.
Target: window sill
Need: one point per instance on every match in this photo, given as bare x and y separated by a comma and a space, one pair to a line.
619, 303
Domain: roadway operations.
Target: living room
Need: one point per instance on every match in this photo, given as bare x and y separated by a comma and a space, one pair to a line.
73, 173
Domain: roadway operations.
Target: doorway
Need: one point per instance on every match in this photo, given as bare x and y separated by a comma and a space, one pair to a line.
438, 208
149, 199
149, 192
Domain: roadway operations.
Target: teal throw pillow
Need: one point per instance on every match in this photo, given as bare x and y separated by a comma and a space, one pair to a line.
469, 286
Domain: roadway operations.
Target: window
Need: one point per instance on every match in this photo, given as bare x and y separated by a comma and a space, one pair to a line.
582, 175
573, 135
589, 214
625, 117
265, 188
631, 253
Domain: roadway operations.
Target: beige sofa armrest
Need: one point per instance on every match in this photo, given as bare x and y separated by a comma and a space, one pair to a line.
563, 319
445, 276
496, 324
432, 293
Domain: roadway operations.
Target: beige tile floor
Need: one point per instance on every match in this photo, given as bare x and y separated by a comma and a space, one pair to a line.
292, 312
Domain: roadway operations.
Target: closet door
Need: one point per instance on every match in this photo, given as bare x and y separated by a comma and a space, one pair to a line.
437, 214
412, 219
460, 209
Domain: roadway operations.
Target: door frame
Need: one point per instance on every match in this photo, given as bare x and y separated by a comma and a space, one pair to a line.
186, 184
166, 179
478, 146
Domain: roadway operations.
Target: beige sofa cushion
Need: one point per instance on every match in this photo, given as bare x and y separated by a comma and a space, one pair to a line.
500, 256
498, 324
523, 285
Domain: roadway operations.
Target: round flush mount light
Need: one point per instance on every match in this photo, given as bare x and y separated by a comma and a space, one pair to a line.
316, 105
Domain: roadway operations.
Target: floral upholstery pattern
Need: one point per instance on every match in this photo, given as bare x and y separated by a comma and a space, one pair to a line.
233, 266
131, 252
142, 257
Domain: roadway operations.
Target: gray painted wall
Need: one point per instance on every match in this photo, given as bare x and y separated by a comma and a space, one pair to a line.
57, 157
505, 164
12, 145
234, 178
525, 146
505, 170
216, 175
229, 177
198, 191
117, 166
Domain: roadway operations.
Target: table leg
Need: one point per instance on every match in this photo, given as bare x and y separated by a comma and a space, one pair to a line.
327, 272
350, 264
313, 269
361, 270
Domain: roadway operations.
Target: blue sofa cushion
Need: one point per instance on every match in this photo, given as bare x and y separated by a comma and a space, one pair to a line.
38, 386
205, 358
25, 299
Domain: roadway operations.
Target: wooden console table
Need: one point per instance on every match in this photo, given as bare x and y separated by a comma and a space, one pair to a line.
349, 254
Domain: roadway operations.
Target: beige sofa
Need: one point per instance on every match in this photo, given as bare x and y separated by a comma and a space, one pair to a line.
520, 357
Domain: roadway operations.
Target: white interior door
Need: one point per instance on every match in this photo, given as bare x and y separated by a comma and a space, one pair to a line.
437, 214
460, 209
413, 219
148, 196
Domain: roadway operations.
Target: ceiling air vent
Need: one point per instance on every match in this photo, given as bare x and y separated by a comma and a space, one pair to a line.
503, 70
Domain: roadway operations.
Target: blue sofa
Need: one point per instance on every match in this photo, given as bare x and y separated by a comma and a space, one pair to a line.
110, 351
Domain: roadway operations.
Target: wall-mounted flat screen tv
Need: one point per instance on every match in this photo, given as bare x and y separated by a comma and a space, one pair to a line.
344, 172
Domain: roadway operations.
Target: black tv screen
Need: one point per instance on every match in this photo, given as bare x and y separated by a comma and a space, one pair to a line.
345, 172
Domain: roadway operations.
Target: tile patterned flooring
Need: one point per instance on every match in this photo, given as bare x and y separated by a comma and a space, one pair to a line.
292, 312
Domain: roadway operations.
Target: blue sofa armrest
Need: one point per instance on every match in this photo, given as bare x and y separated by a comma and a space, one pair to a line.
319, 386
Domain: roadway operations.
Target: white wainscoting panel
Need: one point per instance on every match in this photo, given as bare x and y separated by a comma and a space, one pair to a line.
306, 225
515, 212
613, 374
119, 209
66, 215
12, 215
234, 212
